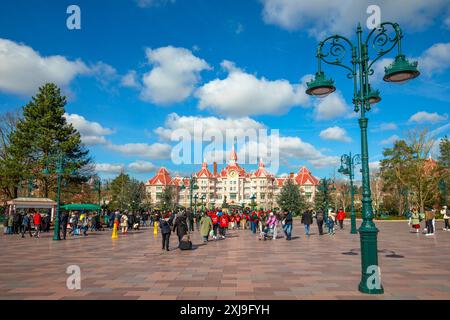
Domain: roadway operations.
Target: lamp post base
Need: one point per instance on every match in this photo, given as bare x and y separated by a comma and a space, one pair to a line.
353, 229
370, 270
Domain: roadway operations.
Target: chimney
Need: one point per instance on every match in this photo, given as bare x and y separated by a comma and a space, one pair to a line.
215, 168
291, 175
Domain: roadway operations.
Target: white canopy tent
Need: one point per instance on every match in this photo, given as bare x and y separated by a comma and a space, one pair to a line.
32, 203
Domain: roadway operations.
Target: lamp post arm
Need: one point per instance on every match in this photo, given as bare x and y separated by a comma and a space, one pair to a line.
336, 53
382, 43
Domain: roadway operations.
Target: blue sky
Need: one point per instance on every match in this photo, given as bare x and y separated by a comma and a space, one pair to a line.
141, 69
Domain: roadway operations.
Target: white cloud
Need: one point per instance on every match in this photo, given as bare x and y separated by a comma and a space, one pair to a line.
174, 122
335, 134
175, 73
323, 17
154, 151
92, 133
130, 80
331, 107
435, 59
23, 70
109, 168
427, 117
390, 140
374, 166
142, 166
296, 148
242, 94
385, 126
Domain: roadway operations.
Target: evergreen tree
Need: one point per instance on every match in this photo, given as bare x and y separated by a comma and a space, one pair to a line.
290, 198
167, 198
41, 135
118, 192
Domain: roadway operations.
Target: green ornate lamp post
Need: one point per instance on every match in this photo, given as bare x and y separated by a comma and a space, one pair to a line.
98, 189
195, 204
348, 163
253, 203
192, 186
59, 173
333, 51
203, 202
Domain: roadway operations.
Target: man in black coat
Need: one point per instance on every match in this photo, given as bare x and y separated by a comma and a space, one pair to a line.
307, 220
319, 217
63, 223
180, 226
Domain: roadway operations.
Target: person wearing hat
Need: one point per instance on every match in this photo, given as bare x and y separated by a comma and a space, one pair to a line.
446, 214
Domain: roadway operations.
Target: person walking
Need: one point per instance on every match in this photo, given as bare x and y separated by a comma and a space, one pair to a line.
215, 222
166, 228
124, 223
331, 216
16, 223
429, 216
319, 219
244, 221
37, 219
180, 226
10, 224
26, 225
446, 214
190, 218
254, 221
414, 220
287, 225
206, 226
223, 224
64, 222
307, 220
340, 218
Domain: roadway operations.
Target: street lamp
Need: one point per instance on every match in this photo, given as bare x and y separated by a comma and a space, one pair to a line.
348, 163
203, 202
253, 203
333, 51
59, 173
192, 186
195, 204
98, 189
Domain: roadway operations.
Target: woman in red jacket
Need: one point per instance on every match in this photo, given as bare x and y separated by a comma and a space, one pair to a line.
37, 219
223, 224
215, 222
340, 218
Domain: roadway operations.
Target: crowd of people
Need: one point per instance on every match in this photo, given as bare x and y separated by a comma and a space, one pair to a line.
212, 224
429, 219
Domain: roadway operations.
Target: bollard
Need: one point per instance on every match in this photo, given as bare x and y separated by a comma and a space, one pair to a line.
155, 228
115, 230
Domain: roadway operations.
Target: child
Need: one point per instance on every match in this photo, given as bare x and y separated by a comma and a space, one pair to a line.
414, 221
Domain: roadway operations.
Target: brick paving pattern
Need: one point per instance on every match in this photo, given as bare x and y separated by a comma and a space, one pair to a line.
241, 267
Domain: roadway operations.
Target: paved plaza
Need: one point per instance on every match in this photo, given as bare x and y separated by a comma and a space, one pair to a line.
241, 267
